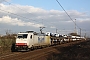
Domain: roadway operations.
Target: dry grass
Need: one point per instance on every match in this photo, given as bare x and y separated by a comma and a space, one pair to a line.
6, 43
79, 51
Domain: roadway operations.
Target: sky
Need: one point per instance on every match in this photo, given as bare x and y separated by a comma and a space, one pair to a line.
22, 15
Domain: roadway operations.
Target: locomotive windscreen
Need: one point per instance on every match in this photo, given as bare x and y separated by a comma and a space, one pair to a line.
22, 35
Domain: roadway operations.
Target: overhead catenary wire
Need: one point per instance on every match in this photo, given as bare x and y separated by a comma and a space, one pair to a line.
17, 14
16, 6
65, 11
30, 13
67, 14
22, 10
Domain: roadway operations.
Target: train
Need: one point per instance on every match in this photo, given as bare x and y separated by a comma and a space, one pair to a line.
29, 40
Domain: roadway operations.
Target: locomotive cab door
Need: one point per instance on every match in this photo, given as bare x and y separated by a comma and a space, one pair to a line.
30, 40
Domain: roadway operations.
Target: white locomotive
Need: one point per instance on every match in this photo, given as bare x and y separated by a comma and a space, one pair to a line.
30, 40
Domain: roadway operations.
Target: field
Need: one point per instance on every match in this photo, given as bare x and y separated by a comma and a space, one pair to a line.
80, 51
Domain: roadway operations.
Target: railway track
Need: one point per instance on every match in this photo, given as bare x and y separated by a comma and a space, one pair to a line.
36, 54
28, 55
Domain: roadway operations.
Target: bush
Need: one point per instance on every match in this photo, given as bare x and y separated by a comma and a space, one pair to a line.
6, 43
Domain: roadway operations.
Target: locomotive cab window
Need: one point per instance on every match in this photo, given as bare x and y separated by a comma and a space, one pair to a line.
31, 36
22, 35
